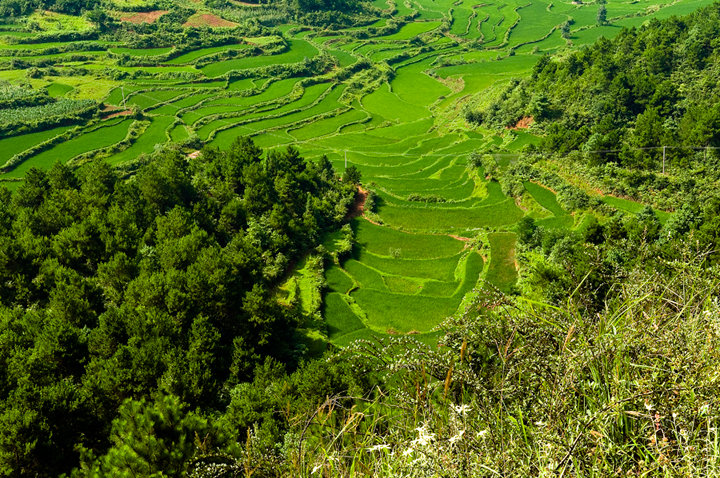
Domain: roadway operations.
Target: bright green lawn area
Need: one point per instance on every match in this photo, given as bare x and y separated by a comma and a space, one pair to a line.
633, 207
413, 86
173, 107
58, 89
441, 269
452, 220
58, 22
388, 312
155, 134
141, 51
404, 313
338, 280
191, 56
339, 316
411, 30
385, 104
545, 198
535, 22
146, 99
367, 277
327, 126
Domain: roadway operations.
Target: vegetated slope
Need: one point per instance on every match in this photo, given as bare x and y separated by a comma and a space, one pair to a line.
115, 289
651, 86
384, 89
166, 351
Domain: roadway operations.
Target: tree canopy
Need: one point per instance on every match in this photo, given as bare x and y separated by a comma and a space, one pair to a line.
118, 289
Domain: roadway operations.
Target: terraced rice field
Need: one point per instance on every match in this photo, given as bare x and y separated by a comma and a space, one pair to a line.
398, 119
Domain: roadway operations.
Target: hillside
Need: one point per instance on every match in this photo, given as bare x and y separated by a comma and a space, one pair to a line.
641, 104
420, 238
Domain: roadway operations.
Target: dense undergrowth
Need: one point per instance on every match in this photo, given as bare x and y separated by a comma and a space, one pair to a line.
515, 388
521, 388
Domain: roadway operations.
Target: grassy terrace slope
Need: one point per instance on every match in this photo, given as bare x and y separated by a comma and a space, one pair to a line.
399, 119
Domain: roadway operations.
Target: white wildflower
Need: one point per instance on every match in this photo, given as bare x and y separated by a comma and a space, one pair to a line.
424, 436
462, 409
456, 438
382, 446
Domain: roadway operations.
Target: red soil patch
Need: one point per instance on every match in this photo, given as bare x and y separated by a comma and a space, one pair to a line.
524, 123
359, 205
208, 20
118, 113
460, 238
143, 17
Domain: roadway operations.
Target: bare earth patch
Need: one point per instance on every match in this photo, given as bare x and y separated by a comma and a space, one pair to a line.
143, 17
208, 20
460, 238
359, 205
194, 155
524, 123
114, 112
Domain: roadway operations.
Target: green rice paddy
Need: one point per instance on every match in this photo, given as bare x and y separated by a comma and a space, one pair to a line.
399, 120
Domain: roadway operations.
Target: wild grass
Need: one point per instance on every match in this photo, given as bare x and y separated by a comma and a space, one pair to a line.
525, 389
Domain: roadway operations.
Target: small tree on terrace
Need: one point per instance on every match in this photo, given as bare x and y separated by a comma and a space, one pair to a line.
351, 175
602, 15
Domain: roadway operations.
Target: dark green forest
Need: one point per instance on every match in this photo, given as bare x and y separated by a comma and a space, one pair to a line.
24, 7
119, 289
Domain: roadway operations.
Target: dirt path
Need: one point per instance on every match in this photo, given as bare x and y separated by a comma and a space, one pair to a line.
358, 207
